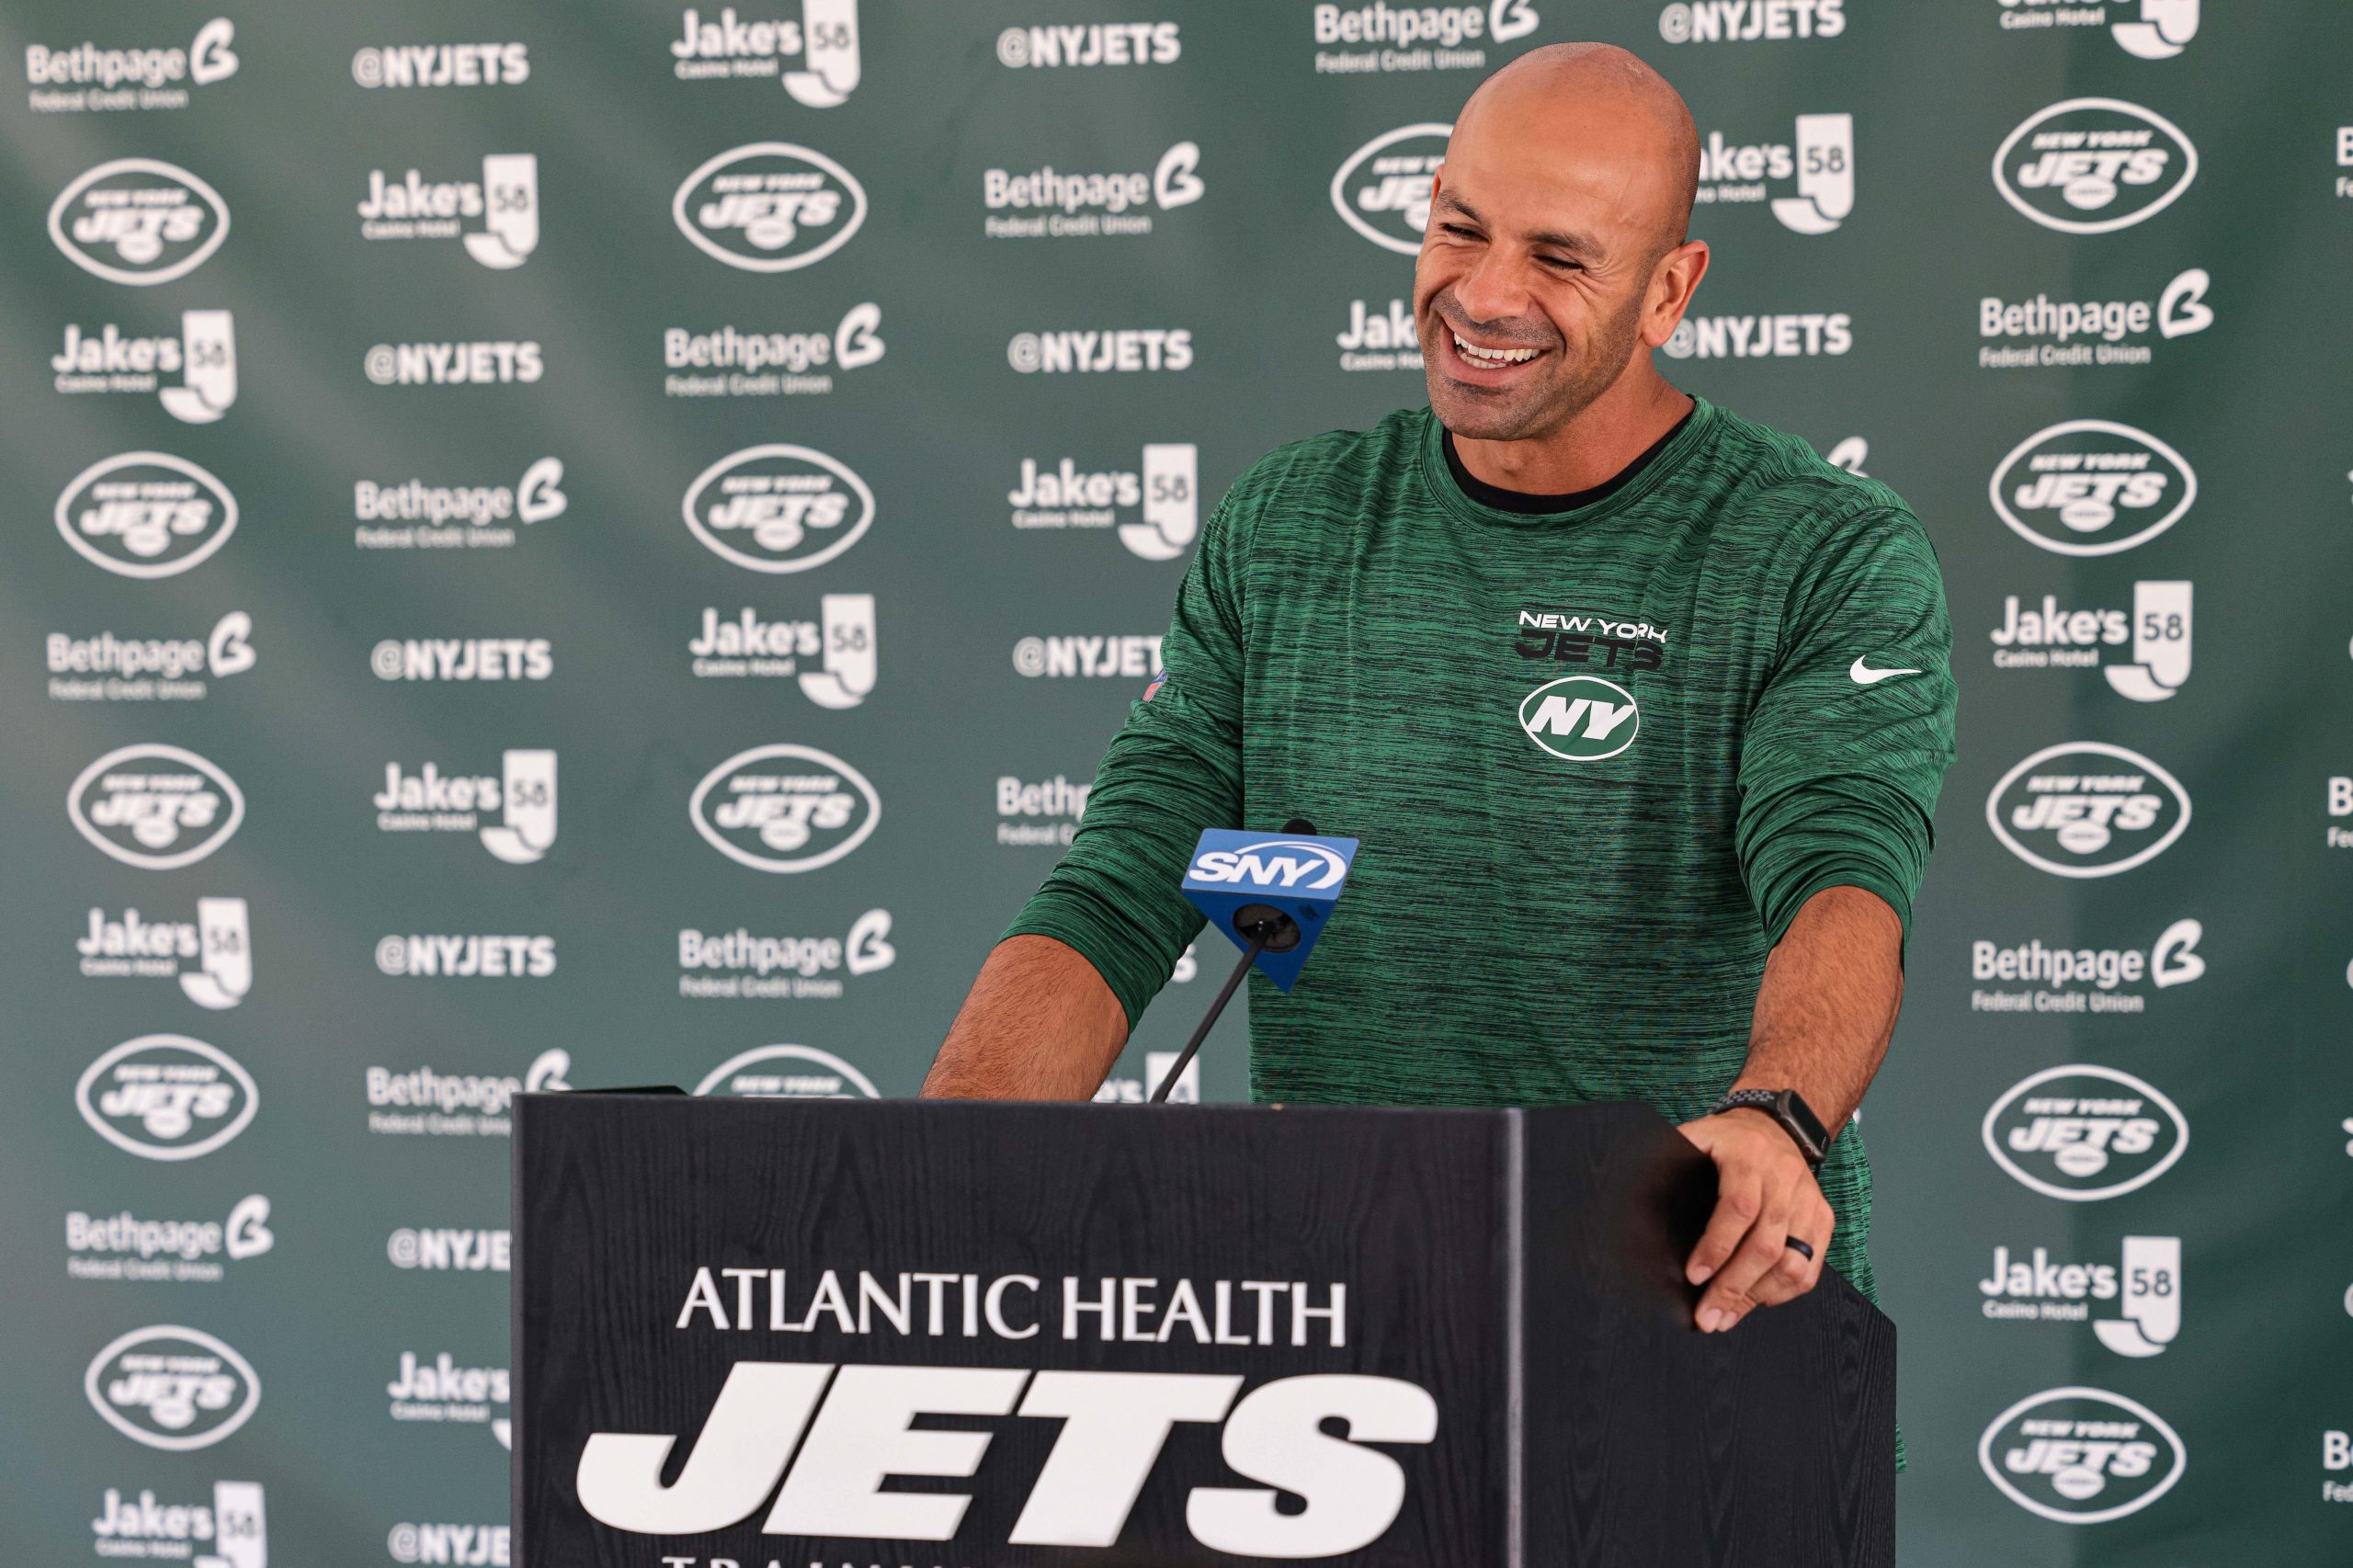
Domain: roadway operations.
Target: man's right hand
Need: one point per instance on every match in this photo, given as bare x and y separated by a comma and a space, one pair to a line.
1040, 1024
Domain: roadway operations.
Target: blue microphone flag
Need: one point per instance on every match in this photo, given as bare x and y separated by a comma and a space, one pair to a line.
1241, 880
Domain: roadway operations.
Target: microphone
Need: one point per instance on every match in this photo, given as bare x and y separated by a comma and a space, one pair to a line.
1271, 897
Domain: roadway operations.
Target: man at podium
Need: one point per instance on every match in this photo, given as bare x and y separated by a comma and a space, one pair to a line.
1639, 709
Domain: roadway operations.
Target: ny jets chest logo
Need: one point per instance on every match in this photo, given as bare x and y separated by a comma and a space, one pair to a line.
1581, 718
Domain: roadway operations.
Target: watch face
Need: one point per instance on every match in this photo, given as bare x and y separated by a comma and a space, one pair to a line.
1802, 1117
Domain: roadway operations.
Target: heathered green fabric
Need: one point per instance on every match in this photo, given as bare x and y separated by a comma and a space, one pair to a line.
1353, 644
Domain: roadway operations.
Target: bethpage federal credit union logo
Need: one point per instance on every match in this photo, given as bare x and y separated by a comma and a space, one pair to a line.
2053, 636
2153, 29
2091, 165
784, 808
1382, 191
110, 669
834, 658
462, 658
442, 65
770, 206
1093, 43
2086, 809
146, 514
2144, 1284
1820, 160
1379, 340
2081, 1455
423, 1103
2083, 979
231, 1532
742, 965
788, 1072
1070, 206
155, 806
123, 1246
89, 79
138, 221
1747, 21
722, 47
2091, 487
778, 507
2340, 804
770, 364
2112, 325
166, 1097
497, 216
1416, 38
522, 794
415, 514
203, 356
210, 956
1163, 494
1581, 718
172, 1387
1125, 658
2082, 1133
1057, 800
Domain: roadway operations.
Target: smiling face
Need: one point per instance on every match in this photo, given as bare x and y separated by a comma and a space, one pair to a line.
1554, 247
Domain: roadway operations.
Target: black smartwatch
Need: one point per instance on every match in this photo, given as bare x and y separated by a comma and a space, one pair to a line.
1788, 1107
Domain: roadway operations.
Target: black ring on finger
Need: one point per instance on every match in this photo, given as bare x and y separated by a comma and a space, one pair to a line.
1800, 1245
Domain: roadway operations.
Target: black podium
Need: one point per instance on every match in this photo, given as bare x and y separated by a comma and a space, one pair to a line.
951, 1335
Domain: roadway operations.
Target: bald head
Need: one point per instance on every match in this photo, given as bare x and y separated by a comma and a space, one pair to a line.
1597, 103
1556, 254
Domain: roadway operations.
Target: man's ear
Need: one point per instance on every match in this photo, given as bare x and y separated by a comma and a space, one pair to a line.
1674, 279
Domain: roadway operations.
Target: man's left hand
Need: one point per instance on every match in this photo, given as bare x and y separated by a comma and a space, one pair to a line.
1766, 1195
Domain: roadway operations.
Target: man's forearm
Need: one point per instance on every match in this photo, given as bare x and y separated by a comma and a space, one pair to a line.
1040, 1024
1828, 1003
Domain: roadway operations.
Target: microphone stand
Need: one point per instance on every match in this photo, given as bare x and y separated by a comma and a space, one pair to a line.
1192, 1047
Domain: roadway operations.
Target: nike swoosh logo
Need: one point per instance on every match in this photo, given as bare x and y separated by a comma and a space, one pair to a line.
1863, 674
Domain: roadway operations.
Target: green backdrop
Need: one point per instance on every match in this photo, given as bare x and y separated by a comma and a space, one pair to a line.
602, 543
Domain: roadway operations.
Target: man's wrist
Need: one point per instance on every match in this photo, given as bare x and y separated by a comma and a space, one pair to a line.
1788, 1112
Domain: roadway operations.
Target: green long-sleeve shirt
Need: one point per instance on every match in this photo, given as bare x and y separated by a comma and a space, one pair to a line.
1598, 759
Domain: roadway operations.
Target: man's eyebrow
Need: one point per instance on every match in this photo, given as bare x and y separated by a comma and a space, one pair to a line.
1579, 244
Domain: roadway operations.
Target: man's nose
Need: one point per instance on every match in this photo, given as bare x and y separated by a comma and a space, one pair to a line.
1492, 290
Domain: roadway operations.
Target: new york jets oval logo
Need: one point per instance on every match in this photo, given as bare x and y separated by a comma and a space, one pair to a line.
138, 221
2086, 809
146, 514
784, 808
2088, 165
770, 206
2082, 1133
779, 508
166, 1097
2092, 487
1383, 190
172, 1387
155, 806
788, 1072
2081, 1455
1581, 718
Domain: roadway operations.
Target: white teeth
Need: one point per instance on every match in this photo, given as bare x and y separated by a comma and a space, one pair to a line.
1489, 356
